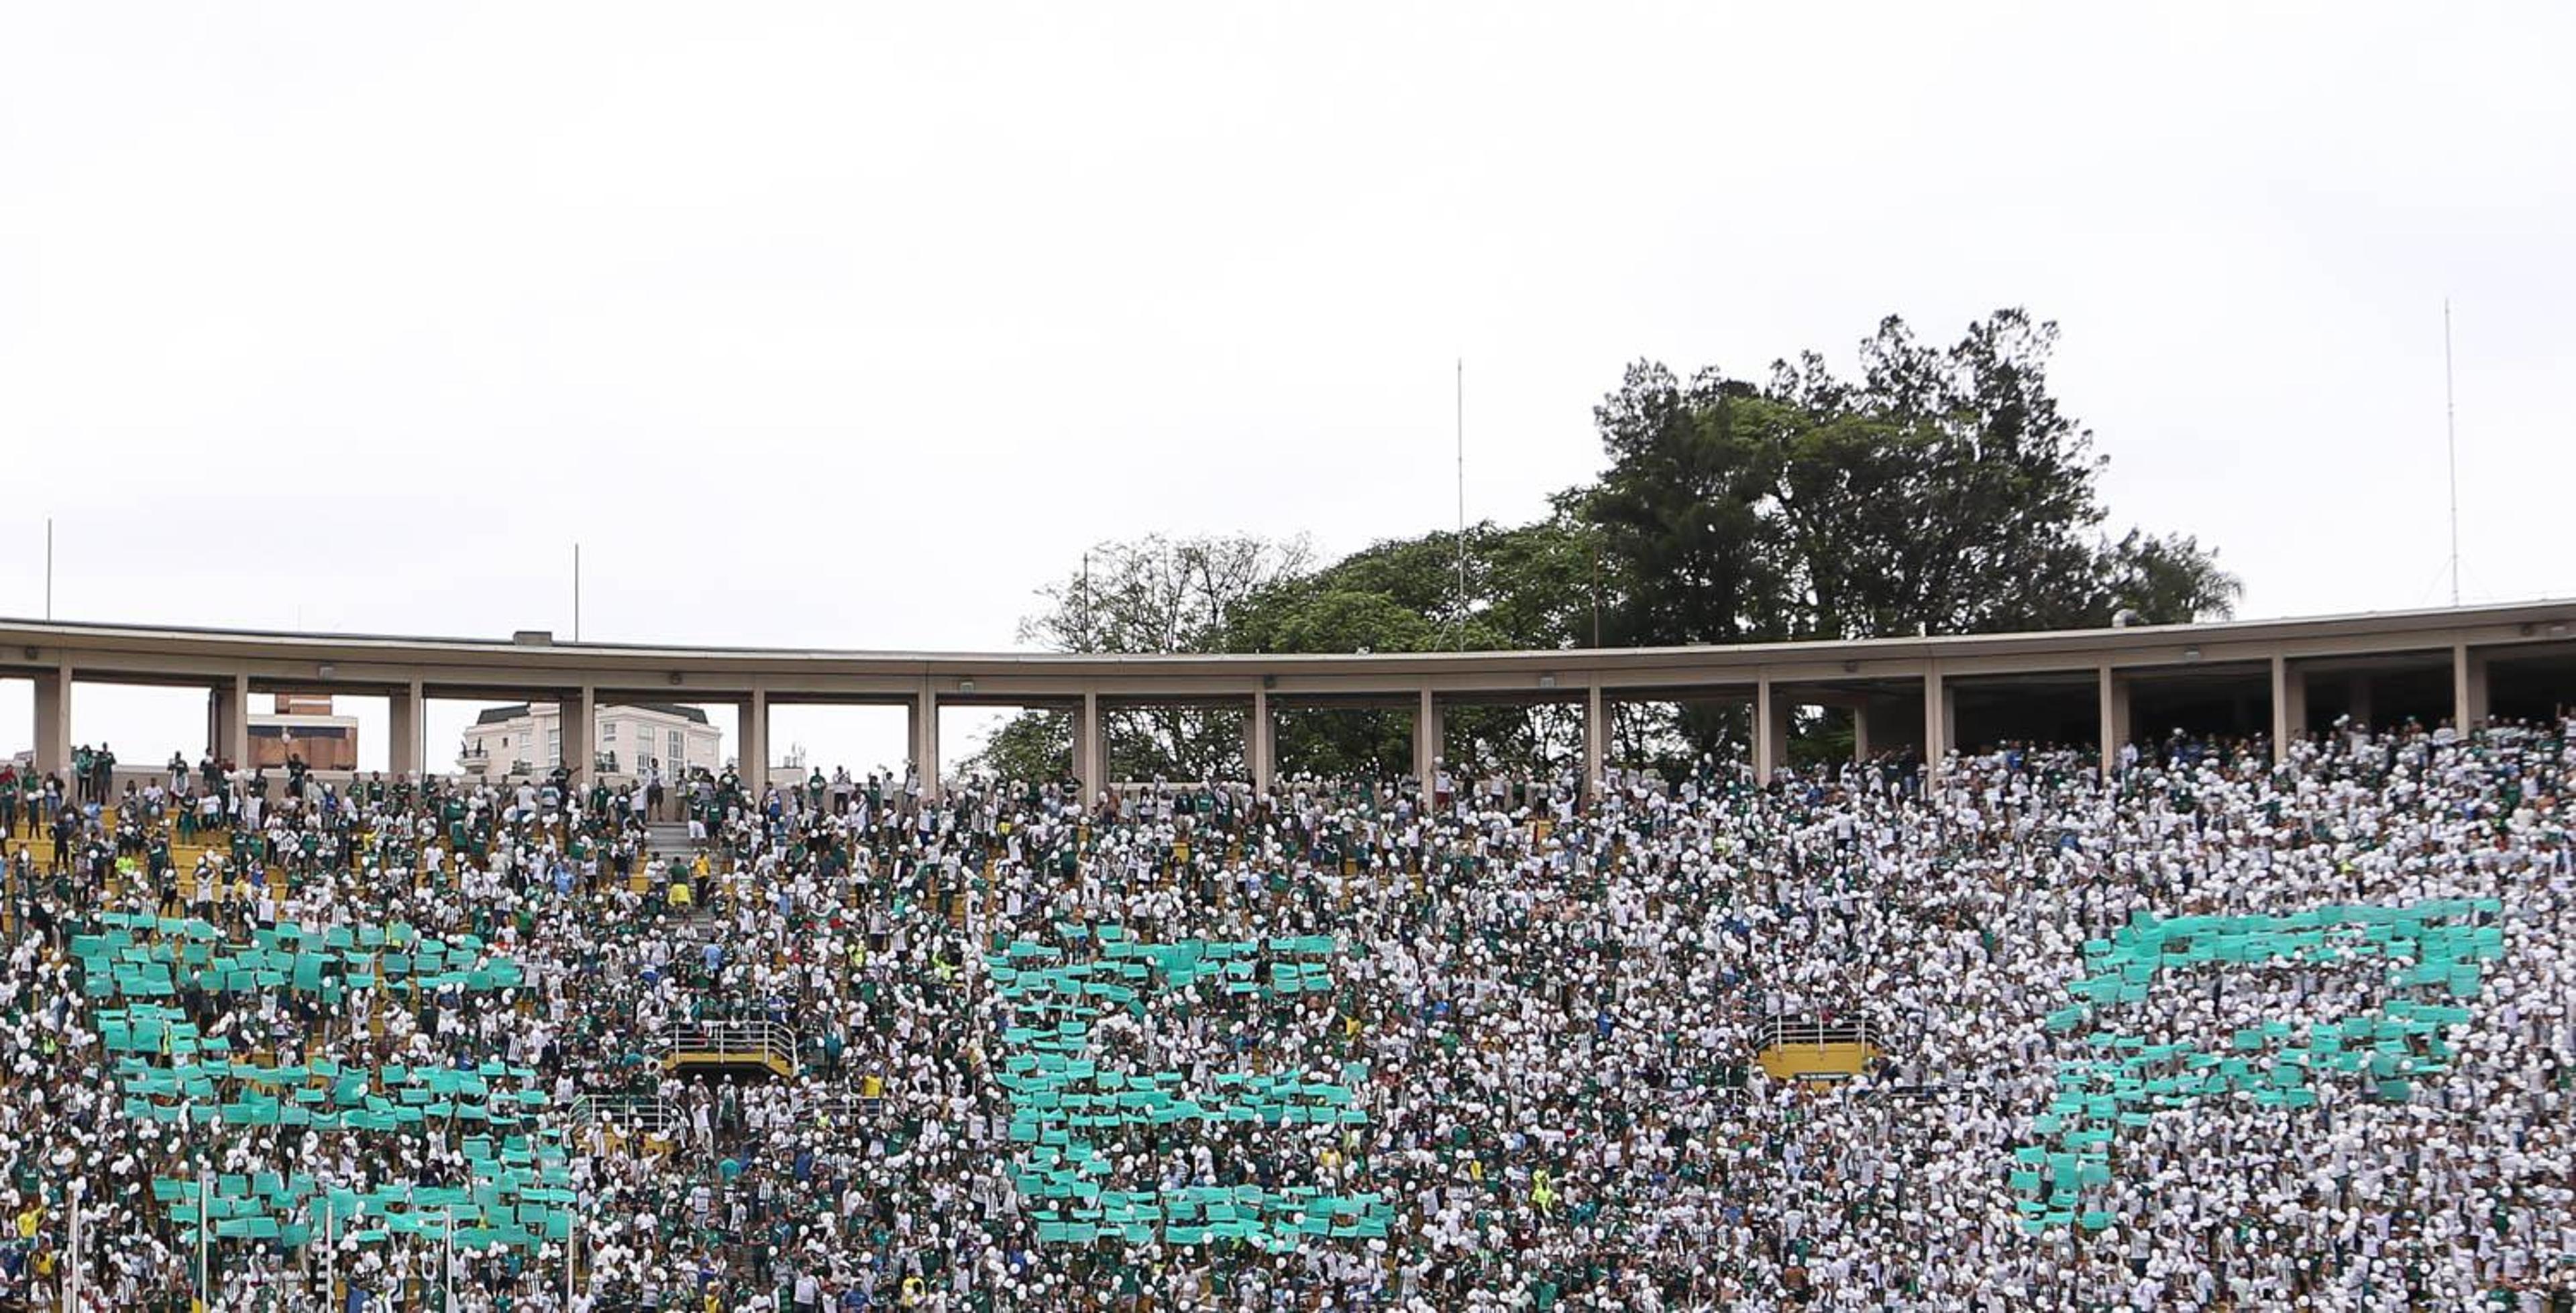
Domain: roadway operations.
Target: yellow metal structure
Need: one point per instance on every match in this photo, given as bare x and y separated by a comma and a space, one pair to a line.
720, 1046
1816, 1050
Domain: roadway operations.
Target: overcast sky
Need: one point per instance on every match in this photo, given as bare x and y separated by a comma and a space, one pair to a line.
848, 326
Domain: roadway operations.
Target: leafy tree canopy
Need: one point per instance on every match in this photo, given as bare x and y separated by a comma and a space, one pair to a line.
1939, 489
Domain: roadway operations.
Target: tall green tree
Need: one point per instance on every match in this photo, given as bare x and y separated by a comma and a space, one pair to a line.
1943, 490
1159, 594
1938, 489
1526, 587
1146, 595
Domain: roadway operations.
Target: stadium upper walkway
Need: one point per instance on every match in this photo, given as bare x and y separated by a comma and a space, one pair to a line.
2105, 685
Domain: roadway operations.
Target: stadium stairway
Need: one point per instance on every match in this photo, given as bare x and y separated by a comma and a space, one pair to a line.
669, 837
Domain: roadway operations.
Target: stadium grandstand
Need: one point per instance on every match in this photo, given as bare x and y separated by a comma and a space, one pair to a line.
2219, 966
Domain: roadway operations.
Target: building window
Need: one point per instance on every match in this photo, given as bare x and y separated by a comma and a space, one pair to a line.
679, 750
554, 744
608, 731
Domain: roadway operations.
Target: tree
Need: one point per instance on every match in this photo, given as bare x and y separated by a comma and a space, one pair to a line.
1527, 587
2163, 581
1151, 594
1943, 491
1683, 510
1158, 594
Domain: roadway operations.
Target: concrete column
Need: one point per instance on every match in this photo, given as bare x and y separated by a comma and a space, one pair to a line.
925, 739
1938, 716
580, 714
1860, 730
228, 719
751, 756
2468, 687
54, 722
1090, 747
1260, 742
1426, 740
405, 720
2114, 732
1596, 740
2289, 707
1767, 730
237, 726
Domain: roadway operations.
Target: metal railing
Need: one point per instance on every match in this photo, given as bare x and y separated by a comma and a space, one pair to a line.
1809, 1032
649, 1113
771, 1044
843, 1108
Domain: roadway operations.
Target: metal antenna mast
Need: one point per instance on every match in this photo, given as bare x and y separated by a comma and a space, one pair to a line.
1460, 633
2451, 440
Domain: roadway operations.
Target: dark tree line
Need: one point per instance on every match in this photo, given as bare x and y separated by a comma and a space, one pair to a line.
1941, 489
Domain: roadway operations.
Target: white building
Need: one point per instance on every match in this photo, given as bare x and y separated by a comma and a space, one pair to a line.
527, 739
305, 726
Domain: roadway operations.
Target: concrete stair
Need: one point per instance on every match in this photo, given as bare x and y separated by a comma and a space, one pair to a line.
669, 837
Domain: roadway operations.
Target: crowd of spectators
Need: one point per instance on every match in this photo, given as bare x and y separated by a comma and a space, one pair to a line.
1546, 998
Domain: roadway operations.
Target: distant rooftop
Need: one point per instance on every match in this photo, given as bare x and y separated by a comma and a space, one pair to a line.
496, 715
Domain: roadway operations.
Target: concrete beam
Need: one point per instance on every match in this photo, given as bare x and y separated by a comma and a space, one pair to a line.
51, 653
194, 656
